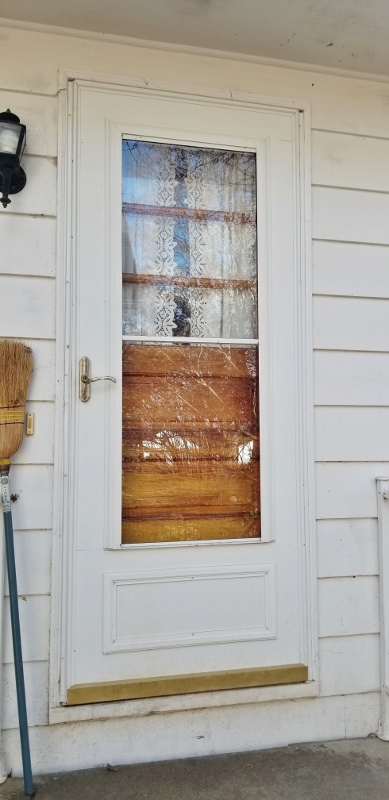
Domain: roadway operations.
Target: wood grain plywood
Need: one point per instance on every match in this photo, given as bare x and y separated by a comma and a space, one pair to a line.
186, 684
190, 443
189, 486
221, 444
152, 401
190, 529
188, 360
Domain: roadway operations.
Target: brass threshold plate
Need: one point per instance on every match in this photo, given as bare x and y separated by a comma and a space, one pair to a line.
109, 691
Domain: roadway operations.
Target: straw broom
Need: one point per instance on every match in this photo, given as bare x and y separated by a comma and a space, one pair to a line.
16, 364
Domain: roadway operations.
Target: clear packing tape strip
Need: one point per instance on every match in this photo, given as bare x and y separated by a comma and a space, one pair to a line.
12, 415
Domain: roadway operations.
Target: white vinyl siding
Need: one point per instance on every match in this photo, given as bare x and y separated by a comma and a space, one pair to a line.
351, 385
27, 310
350, 227
347, 547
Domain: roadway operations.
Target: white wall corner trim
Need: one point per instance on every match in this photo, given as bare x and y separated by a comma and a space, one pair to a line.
383, 549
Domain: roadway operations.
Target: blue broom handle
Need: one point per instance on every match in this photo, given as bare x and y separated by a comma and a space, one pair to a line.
16, 638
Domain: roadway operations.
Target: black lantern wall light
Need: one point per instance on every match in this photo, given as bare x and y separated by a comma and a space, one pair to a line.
12, 144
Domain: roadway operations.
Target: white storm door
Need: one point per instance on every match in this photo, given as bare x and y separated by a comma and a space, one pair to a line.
185, 225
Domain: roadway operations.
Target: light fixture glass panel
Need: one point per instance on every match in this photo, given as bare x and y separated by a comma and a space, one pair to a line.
9, 137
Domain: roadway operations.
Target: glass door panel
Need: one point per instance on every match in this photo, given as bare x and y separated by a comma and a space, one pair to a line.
190, 352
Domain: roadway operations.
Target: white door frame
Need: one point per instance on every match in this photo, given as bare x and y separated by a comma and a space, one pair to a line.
63, 549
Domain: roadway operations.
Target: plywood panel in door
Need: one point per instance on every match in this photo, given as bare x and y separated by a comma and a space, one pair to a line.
190, 402
223, 444
189, 360
190, 529
190, 443
156, 488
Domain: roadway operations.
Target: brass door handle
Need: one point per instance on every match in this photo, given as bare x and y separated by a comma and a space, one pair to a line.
85, 380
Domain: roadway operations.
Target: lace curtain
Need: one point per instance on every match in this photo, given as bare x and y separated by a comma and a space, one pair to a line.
189, 241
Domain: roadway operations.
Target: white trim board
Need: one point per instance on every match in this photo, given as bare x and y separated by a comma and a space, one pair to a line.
123, 83
186, 702
197, 733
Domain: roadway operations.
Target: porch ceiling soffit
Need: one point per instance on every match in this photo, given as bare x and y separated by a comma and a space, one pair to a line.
347, 35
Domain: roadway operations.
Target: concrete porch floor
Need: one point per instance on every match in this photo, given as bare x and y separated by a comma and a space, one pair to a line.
357, 769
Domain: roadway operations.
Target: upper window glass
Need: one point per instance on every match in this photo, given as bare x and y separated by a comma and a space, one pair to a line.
189, 242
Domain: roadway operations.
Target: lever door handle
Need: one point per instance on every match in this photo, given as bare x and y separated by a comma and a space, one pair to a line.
85, 380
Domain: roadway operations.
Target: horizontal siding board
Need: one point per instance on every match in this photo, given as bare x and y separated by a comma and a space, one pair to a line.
34, 614
351, 434
342, 323
27, 307
40, 194
350, 161
28, 245
344, 104
349, 215
34, 507
42, 386
39, 115
38, 448
348, 269
353, 379
348, 606
347, 490
347, 547
36, 676
349, 665
33, 562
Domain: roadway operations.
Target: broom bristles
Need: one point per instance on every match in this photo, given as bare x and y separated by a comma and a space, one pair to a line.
16, 365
